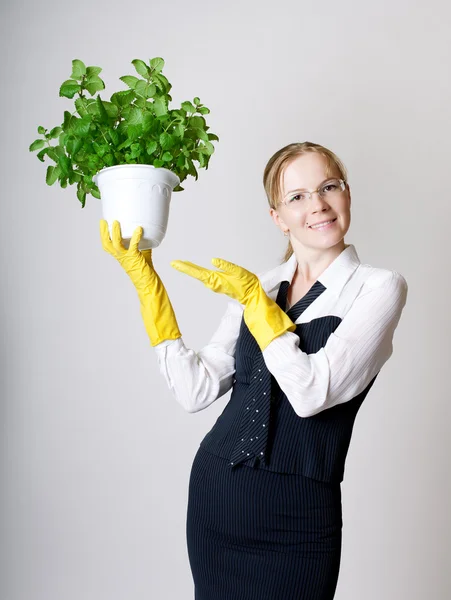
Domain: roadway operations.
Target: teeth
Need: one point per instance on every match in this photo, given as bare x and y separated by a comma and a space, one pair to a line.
321, 225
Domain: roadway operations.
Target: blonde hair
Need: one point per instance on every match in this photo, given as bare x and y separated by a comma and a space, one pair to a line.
279, 161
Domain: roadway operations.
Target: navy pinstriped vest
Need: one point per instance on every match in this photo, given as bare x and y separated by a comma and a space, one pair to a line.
313, 446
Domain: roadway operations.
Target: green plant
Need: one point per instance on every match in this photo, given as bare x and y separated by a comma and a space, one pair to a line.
135, 127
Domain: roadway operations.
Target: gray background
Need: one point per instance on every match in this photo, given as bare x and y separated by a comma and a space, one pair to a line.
95, 451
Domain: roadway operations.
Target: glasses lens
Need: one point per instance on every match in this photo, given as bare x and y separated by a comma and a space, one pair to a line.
331, 187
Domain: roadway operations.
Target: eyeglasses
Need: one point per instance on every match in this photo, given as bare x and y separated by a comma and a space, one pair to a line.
328, 190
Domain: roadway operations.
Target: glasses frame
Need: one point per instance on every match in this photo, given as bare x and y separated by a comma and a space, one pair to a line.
317, 191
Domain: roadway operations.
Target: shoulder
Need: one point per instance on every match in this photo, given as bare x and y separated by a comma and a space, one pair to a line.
378, 278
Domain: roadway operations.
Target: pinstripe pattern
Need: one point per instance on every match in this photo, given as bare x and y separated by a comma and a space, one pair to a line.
266, 533
255, 411
314, 446
253, 534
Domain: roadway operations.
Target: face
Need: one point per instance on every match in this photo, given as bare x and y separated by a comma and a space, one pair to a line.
308, 172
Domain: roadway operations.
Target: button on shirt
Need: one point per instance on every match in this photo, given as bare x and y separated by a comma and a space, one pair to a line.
367, 300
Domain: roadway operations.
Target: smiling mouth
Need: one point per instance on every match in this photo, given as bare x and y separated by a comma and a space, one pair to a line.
321, 226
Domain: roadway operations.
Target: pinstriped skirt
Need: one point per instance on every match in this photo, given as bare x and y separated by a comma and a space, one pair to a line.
253, 534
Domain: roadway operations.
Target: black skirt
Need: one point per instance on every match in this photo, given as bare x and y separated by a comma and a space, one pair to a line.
253, 534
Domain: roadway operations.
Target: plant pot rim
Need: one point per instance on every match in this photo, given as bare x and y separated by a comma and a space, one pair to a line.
134, 166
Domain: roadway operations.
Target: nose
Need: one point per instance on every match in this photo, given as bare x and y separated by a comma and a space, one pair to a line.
317, 200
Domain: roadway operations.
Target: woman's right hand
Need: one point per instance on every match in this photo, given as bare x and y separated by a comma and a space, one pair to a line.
156, 308
137, 265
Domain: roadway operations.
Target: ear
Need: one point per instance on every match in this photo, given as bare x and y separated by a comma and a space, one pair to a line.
276, 218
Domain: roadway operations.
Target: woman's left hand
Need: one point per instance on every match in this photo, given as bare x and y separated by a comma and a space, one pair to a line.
264, 317
235, 281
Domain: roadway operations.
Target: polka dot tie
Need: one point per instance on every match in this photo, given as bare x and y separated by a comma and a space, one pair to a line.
254, 424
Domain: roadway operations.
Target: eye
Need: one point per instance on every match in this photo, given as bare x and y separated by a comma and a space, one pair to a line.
330, 187
296, 198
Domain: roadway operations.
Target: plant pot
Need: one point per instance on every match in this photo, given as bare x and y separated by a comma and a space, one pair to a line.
137, 195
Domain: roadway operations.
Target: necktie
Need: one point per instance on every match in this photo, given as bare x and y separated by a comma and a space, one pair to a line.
254, 425
251, 443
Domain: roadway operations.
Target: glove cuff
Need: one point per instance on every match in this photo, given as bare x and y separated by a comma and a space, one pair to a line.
265, 319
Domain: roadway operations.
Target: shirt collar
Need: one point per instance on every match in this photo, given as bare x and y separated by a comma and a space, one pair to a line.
334, 277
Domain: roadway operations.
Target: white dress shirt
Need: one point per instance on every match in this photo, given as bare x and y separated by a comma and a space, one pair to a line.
369, 300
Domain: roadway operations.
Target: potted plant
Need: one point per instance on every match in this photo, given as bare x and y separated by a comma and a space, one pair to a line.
131, 151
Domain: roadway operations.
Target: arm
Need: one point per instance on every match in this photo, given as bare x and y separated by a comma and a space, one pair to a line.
354, 353
198, 379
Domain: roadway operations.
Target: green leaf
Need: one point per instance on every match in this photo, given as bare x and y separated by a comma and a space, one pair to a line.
196, 100
158, 163
156, 64
166, 141
52, 174
129, 80
179, 130
65, 164
78, 69
188, 107
53, 154
136, 117
80, 105
41, 130
122, 98
192, 169
114, 136
81, 127
90, 71
150, 91
162, 83
167, 156
109, 159
95, 193
201, 134
160, 107
94, 84
125, 144
212, 136
81, 195
203, 110
102, 112
151, 147
55, 132
141, 88
141, 67
42, 154
37, 145
69, 88
197, 122
100, 148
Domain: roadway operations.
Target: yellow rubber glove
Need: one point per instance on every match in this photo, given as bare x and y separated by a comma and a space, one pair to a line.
264, 317
156, 308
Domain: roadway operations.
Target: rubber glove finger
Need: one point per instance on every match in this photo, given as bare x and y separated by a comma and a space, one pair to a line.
117, 238
192, 269
135, 239
105, 238
230, 267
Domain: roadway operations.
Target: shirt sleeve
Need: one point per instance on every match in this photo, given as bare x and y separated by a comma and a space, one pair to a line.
354, 353
198, 379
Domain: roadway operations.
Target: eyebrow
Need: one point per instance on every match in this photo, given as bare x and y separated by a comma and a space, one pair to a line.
305, 189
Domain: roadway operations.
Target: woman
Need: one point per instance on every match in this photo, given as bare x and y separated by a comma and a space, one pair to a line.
300, 346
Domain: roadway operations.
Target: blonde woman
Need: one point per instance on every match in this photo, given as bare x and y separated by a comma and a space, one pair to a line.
300, 346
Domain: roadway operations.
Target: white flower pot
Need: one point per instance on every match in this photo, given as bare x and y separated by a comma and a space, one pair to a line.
137, 195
